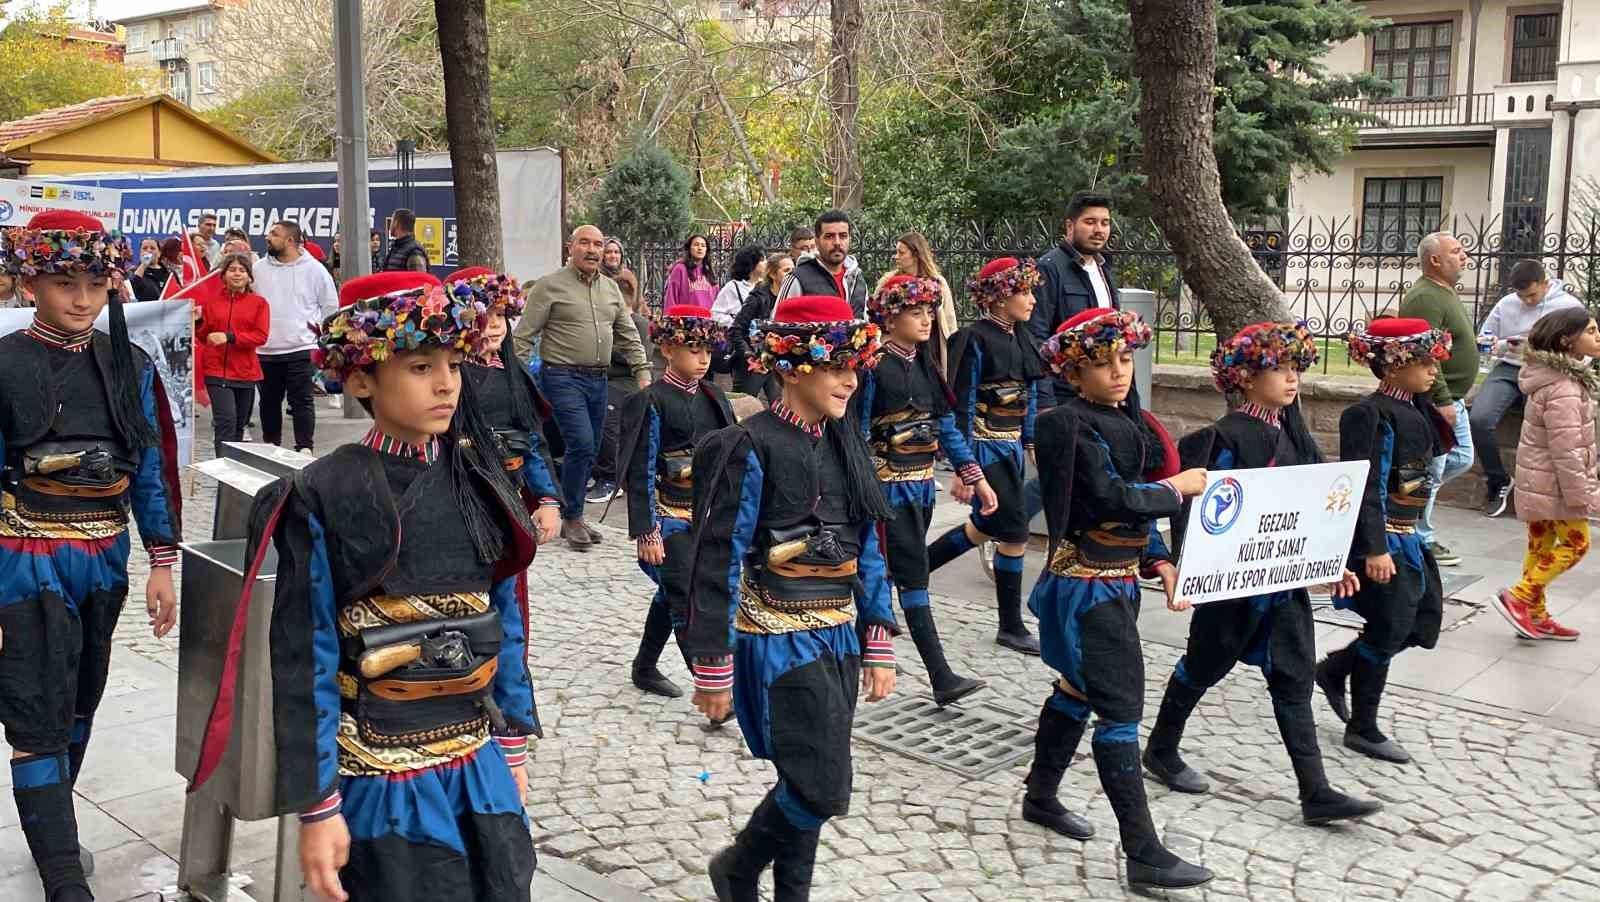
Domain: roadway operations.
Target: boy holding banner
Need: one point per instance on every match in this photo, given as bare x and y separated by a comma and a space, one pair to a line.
1274, 631
1110, 472
1400, 431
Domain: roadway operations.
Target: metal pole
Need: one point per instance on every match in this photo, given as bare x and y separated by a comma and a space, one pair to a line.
353, 198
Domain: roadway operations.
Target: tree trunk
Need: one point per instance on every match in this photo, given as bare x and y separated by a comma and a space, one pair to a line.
1175, 51
844, 101
464, 56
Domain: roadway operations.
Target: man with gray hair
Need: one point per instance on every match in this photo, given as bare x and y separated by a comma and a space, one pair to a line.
577, 313
1433, 298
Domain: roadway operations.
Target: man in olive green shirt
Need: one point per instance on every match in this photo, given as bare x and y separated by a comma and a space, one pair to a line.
1433, 298
577, 313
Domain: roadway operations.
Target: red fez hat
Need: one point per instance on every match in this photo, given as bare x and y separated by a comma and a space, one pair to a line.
471, 272
1086, 316
892, 281
1397, 327
813, 308
378, 284
997, 266
687, 310
64, 220
315, 250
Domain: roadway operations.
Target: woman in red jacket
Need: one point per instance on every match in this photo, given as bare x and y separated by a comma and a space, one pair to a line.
231, 321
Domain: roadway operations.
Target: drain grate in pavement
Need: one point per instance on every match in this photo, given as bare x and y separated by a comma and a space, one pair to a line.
973, 740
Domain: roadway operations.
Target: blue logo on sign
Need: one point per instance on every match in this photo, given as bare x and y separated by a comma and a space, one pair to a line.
1221, 506
5, 211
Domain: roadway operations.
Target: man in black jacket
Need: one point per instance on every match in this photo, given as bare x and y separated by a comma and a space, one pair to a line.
832, 271
405, 252
1074, 276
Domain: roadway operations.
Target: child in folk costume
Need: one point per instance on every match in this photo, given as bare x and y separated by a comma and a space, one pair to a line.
401, 694
1399, 431
1274, 631
785, 559
661, 425
903, 407
1108, 473
995, 367
86, 438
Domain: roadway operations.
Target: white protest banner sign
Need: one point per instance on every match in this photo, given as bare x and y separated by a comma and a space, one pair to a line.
1258, 531
21, 198
164, 330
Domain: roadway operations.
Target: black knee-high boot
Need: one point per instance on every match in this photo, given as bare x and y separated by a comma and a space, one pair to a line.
1319, 802
1161, 756
948, 686
736, 870
948, 547
1053, 746
792, 867
1149, 862
647, 674
42, 787
1013, 633
1367, 680
78, 745
1332, 674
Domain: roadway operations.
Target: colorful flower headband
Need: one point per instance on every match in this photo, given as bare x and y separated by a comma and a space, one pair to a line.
31, 252
1093, 335
1262, 346
1001, 279
372, 330
901, 293
689, 331
799, 347
1385, 352
498, 292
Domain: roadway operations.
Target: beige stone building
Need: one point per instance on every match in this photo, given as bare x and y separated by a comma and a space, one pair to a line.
178, 40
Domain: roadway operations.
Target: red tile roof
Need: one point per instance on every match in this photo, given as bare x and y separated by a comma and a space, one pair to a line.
62, 117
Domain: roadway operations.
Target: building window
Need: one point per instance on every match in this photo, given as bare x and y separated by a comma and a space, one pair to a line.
730, 9
137, 42
1397, 212
1415, 58
205, 26
206, 77
1533, 47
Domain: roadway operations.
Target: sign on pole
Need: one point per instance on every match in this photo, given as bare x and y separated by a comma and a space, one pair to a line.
21, 198
1257, 531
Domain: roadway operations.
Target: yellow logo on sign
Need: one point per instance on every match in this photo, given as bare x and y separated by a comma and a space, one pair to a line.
430, 234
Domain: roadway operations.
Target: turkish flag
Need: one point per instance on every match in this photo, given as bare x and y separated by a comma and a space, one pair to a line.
203, 287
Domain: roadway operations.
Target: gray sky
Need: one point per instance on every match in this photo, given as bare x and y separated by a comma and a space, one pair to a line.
114, 9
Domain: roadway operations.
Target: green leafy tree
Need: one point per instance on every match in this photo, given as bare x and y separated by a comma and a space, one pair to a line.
43, 71
645, 197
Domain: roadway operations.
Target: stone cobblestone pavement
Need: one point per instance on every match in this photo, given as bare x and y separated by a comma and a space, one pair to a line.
1497, 806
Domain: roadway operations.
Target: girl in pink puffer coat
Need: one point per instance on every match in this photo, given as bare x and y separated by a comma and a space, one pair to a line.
1557, 490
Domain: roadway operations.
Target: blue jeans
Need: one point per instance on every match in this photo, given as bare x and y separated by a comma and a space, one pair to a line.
579, 401
1446, 467
1498, 394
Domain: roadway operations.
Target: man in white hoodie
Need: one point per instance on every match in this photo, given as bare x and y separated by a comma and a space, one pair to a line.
1502, 335
301, 295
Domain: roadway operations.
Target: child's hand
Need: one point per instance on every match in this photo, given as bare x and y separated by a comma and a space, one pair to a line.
878, 682
1380, 569
1190, 482
520, 774
547, 523
988, 501
324, 849
1169, 584
652, 552
1348, 585
716, 706
960, 491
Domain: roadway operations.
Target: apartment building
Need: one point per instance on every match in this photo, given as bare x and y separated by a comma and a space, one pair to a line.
178, 41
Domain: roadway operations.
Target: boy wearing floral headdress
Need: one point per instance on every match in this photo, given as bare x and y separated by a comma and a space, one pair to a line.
402, 701
86, 438
1261, 364
995, 371
903, 406
785, 559
1399, 431
661, 425
1109, 473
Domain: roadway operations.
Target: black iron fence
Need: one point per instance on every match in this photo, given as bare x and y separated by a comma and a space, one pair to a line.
1332, 276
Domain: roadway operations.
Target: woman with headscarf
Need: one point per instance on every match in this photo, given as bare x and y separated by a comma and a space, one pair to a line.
155, 267
613, 263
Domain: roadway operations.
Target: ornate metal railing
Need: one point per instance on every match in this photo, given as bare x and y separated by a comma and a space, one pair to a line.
1425, 112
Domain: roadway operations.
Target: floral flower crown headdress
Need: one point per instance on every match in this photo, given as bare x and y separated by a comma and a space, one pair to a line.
497, 291
1388, 343
812, 331
901, 293
382, 315
1002, 278
686, 325
1093, 335
1262, 346
66, 242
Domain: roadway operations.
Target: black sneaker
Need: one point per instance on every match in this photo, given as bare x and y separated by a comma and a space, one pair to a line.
1499, 499
1442, 555
601, 491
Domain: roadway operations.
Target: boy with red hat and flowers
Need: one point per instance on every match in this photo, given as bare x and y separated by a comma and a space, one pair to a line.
401, 694
86, 438
903, 406
785, 558
1261, 364
1109, 473
661, 425
995, 370
1400, 431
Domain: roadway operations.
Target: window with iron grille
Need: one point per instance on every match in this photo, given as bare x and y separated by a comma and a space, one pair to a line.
1415, 58
1397, 212
1533, 47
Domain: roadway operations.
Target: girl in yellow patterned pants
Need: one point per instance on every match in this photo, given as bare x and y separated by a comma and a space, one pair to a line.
1554, 547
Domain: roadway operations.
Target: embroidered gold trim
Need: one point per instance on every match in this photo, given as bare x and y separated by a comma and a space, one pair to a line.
664, 509
358, 759
17, 524
758, 615
1069, 562
387, 610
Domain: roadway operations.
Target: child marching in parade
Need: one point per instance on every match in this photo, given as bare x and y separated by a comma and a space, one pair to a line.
661, 425
785, 558
1103, 458
1262, 363
903, 407
995, 367
402, 699
1399, 431
86, 439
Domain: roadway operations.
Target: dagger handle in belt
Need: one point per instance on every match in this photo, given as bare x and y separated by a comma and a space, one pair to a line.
55, 463
379, 661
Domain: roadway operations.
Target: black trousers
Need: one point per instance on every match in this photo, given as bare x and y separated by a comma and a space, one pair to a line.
618, 389
287, 375
231, 402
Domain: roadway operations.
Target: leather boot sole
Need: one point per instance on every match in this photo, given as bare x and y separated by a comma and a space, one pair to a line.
656, 684
1387, 750
964, 687
1187, 780
1067, 824
1348, 809
1333, 692
723, 882
1179, 876
1021, 642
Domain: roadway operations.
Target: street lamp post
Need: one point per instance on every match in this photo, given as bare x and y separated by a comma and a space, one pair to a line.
354, 203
